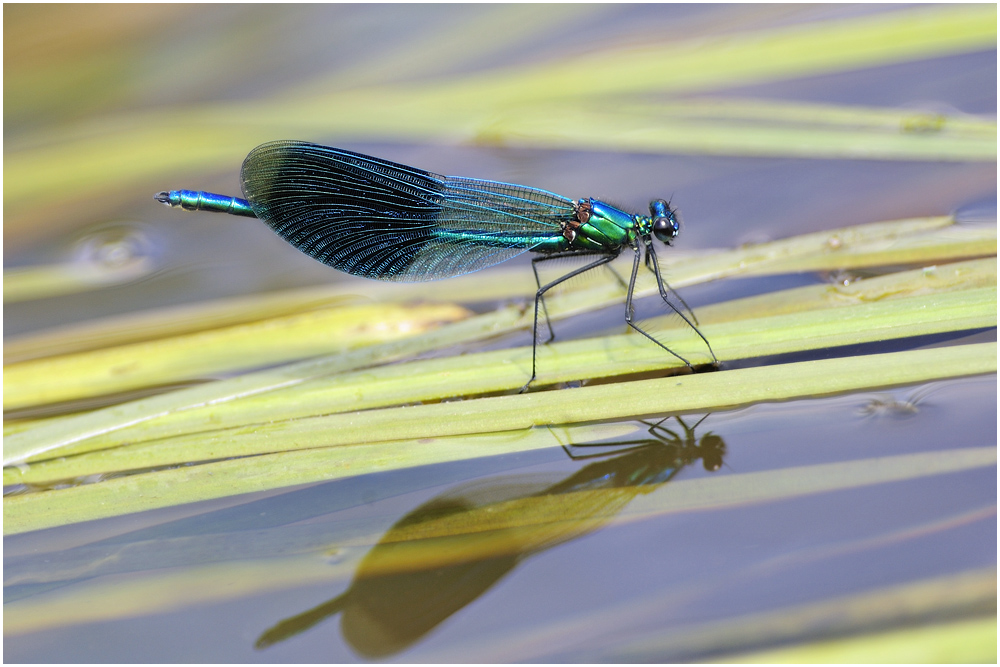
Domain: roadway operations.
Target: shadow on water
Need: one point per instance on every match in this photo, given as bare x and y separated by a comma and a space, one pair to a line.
452, 549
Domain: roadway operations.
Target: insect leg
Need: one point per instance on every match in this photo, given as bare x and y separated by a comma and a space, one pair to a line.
661, 285
561, 255
538, 286
658, 430
540, 294
617, 448
653, 264
630, 312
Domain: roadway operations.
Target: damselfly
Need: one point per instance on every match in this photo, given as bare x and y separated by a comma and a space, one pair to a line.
379, 219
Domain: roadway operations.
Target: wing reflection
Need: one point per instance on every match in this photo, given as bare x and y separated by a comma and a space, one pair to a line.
447, 552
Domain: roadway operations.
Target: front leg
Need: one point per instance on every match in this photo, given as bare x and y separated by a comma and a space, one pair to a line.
662, 286
630, 311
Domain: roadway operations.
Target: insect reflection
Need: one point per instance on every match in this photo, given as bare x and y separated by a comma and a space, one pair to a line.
450, 550
887, 405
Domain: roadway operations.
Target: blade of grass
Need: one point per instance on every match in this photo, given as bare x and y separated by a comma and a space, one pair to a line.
900, 605
57, 433
920, 241
962, 593
679, 394
754, 259
476, 374
146, 325
48, 280
970, 274
598, 128
190, 484
915, 316
829, 115
591, 358
969, 641
169, 591
738, 59
507, 282
217, 351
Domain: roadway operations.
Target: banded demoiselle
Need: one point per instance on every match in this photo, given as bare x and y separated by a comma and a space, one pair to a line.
378, 219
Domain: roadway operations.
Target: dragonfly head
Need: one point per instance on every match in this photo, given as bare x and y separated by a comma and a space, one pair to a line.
665, 224
712, 449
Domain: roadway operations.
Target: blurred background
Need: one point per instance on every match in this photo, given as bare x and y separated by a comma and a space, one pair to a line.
757, 121
760, 121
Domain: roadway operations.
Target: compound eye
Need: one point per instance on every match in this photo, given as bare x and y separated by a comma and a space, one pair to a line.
666, 228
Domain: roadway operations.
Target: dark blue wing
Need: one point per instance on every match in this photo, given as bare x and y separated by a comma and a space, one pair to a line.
378, 219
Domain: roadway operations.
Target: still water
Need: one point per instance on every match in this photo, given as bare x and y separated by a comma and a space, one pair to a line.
665, 565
